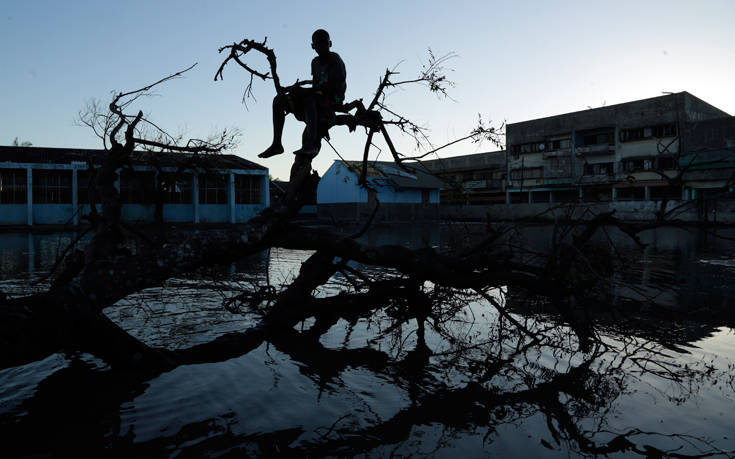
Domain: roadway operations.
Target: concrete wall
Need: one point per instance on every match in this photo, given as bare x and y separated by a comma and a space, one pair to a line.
388, 212
694, 211
31, 213
61, 214
339, 186
647, 147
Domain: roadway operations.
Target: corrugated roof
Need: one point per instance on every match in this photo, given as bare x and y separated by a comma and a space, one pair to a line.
417, 175
67, 155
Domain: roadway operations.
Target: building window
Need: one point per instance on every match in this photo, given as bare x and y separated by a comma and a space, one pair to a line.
631, 194
660, 193
666, 163
13, 186
561, 144
648, 132
51, 186
85, 187
531, 147
599, 138
137, 187
529, 173
594, 194
599, 169
212, 189
176, 188
247, 189
637, 164
558, 167
425, 196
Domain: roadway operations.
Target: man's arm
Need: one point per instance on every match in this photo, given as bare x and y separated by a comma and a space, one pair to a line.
335, 84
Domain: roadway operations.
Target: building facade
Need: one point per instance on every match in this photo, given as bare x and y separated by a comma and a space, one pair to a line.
478, 178
53, 186
411, 194
640, 150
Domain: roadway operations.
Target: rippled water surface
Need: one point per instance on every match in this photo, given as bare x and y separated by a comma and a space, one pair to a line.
274, 398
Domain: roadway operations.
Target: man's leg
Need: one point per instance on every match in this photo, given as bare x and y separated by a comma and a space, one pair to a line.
309, 140
279, 118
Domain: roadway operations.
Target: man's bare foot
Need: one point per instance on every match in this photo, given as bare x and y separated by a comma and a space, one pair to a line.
311, 150
273, 150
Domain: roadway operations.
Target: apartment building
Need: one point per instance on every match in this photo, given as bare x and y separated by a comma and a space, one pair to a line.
477, 178
649, 149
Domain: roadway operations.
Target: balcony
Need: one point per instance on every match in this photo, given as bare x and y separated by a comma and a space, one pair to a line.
474, 184
491, 184
596, 179
557, 153
595, 150
558, 181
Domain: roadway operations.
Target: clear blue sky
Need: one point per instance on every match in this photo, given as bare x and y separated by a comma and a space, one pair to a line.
517, 61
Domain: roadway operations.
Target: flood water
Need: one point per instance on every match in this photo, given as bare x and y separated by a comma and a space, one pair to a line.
663, 378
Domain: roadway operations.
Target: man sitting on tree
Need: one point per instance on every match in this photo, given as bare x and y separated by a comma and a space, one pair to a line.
329, 82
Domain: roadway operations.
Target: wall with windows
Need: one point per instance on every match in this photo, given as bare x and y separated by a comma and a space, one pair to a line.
620, 152
59, 194
13, 196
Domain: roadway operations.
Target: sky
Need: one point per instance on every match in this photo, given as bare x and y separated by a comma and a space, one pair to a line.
515, 61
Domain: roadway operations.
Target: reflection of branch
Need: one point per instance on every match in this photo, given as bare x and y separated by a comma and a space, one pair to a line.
509, 317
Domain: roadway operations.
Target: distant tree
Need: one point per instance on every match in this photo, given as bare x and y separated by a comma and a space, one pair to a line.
25, 143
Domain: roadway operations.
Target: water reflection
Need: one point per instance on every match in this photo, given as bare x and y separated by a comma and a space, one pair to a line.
660, 379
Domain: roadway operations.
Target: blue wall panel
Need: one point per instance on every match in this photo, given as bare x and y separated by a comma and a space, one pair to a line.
13, 214
214, 213
178, 213
244, 212
138, 212
52, 214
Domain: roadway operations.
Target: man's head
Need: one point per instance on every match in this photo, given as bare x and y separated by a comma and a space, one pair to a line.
320, 42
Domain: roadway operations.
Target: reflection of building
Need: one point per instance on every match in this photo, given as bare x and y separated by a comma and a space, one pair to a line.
471, 179
621, 152
403, 194
54, 186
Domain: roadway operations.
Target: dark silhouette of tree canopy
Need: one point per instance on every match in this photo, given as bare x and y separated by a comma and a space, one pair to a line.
425, 289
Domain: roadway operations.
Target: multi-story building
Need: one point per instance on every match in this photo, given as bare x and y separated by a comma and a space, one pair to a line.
641, 150
477, 178
54, 186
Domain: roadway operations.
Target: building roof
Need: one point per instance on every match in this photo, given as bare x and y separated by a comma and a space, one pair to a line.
417, 175
470, 162
661, 109
46, 155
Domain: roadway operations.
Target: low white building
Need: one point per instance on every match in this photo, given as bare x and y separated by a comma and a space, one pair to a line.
402, 195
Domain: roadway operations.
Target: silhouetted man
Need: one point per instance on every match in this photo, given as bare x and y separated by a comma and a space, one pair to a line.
329, 82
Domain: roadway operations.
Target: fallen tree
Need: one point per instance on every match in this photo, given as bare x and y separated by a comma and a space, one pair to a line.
105, 272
